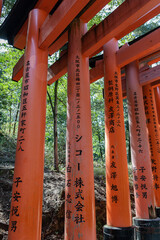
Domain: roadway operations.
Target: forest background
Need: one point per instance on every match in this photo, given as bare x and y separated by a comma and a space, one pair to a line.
55, 138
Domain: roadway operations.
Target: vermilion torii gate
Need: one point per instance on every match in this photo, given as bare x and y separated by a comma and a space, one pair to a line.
47, 28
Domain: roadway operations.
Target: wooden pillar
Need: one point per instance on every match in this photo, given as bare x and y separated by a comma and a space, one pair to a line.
26, 206
154, 138
140, 154
80, 220
157, 99
117, 184
1, 4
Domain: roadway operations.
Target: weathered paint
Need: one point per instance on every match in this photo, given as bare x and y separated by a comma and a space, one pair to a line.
115, 24
56, 24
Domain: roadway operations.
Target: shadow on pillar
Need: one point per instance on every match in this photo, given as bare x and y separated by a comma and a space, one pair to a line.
146, 229
118, 233
158, 212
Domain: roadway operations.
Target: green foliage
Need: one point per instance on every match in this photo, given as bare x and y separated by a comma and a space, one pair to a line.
7, 144
9, 90
97, 112
61, 123
126, 122
107, 10
100, 172
7, 6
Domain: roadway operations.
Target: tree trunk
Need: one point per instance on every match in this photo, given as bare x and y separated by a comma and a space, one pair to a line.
99, 139
10, 119
129, 150
54, 111
129, 146
56, 167
15, 121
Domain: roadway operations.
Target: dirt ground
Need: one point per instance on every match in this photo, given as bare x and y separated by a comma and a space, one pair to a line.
53, 203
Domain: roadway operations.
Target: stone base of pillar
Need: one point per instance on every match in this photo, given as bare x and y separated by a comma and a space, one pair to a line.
146, 229
118, 233
158, 212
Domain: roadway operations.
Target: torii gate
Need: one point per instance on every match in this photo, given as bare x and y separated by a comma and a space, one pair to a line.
50, 25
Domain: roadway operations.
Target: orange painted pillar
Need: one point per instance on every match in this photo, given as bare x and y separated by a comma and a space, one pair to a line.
26, 206
117, 185
140, 153
80, 223
145, 221
157, 99
154, 138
